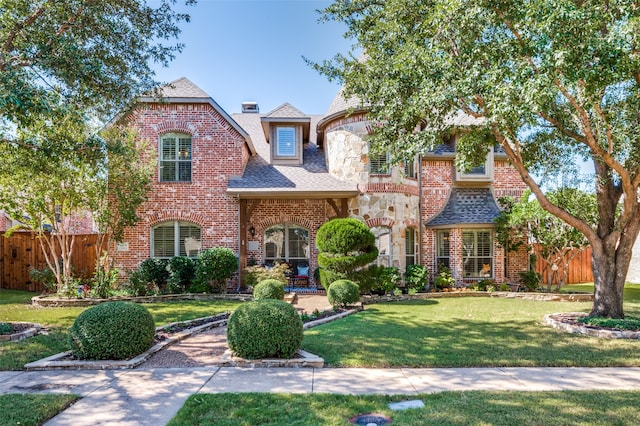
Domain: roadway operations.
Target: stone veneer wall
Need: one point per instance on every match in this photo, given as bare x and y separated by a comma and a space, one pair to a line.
390, 200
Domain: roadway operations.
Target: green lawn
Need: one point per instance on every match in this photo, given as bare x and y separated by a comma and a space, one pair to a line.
445, 408
15, 306
467, 332
31, 409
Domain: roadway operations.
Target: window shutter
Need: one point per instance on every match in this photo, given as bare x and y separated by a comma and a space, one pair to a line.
286, 143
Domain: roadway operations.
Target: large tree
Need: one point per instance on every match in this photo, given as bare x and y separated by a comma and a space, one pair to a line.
549, 81
92, 55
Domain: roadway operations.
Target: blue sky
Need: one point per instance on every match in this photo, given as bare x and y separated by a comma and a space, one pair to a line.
249, 50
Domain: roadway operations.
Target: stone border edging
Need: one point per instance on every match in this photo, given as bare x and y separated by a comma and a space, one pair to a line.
547, 297
29, 332
553, 321
57, 362
47, 301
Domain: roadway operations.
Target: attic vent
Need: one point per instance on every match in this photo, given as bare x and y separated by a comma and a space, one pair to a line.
250, 107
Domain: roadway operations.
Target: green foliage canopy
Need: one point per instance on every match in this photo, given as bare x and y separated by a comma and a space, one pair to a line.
548, 81
89, 54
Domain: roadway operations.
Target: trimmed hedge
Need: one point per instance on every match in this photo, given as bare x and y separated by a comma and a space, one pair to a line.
343, 293
344, 235
112, 330
269, 289
264, 329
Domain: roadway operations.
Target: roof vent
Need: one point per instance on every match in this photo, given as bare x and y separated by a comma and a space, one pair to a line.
250, 108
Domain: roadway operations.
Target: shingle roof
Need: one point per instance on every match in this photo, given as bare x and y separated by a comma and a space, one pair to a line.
261, 178
342, 105
467, 206
286, 110
182, 88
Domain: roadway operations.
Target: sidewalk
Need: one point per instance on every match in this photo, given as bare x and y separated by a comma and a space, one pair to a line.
154, 396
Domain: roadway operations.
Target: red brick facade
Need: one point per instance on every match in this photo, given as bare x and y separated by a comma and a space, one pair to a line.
219, 152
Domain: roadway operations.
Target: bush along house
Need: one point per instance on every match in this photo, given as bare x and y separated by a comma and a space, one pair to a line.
262, 184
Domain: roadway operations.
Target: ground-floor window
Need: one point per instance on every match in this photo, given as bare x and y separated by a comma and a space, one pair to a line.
175, 238
411, 246
477, 252
443, 249
286, 243
383, 243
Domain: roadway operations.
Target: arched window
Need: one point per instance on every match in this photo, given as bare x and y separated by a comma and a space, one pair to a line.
175, 157
286, 243
176, 238
383, 243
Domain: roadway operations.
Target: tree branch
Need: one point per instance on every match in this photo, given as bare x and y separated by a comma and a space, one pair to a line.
8, 44
516, 161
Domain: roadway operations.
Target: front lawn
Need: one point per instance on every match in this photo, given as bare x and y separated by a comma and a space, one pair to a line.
466, 332
32, 409
16, 306
445, 408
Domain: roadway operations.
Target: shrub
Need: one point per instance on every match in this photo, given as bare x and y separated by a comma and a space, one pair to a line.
155, 273
345, 245
182, 271
444, 279
484, 284
112, 330
417, 277
343, 293
138, 285
255, 274
45, 277
378, 279
215, 266
530, 279
264, 329
269, 289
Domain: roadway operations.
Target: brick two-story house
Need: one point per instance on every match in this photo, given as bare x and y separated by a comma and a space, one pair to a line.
262, 184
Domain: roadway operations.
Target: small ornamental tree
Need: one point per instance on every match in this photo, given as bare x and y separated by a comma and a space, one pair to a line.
344, 245
215, 266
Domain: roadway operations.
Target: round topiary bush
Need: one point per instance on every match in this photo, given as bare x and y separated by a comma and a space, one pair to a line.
343, 293
112, 330
269, 289
264, 329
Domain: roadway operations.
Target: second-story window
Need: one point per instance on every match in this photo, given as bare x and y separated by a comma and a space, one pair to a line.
379, 164
175, 158
286, 141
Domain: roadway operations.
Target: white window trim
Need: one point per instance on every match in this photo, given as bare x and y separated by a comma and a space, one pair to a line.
176, 238
294, 133
491, 256
487, 176
177, 161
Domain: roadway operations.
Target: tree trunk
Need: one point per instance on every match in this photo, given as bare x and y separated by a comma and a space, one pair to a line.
610, 264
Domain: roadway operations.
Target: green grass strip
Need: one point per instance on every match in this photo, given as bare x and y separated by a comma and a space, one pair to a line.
32, 409
446, 408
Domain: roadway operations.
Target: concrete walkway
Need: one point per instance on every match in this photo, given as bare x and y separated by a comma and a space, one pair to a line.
154, 396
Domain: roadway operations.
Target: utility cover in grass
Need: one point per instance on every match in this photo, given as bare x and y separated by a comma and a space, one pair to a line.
405, 405
373, 419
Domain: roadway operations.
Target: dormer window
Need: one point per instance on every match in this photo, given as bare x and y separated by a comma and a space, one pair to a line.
480, 173
286, 130
285, 141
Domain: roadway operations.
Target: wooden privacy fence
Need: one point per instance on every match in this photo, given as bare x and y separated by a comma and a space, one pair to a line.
22, 251
579, 267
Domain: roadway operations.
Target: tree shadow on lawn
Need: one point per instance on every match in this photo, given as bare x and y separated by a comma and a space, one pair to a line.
375, 338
